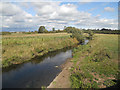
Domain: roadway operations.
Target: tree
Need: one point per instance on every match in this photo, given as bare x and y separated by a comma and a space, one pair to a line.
78, 34
69, 29
41, 29
45, 31
90, 34
64, 27
53, 29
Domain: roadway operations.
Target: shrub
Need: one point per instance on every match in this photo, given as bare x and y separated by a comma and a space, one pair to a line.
78, 34
42, 29
90, 34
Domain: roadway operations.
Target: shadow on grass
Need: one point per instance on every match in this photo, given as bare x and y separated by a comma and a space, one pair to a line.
117, 85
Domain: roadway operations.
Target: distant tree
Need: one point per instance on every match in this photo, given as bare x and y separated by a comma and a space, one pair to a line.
103, 29
53, 29
35, 31
64, 27
45, 31
41, 29
69, 29
90, 34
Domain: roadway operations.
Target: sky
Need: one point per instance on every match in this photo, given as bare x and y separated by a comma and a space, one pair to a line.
29, 16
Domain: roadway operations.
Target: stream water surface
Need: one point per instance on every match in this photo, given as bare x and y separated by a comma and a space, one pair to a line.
35, 73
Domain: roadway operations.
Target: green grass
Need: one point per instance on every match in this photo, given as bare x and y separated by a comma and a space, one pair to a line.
17, 49
109, 83
100, 57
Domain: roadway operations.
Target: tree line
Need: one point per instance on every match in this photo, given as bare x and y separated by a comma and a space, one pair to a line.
104, 31
70, 29
42, 29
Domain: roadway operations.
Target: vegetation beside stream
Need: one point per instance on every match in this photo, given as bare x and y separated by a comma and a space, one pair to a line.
19, 48
95, 65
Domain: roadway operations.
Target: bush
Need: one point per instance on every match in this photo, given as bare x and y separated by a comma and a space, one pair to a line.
90, 34
42, 29
78, 34
69, 29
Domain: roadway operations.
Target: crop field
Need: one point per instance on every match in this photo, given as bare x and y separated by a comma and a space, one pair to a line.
95, 65
18, 48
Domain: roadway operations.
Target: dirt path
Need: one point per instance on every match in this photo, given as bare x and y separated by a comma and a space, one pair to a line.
62, 80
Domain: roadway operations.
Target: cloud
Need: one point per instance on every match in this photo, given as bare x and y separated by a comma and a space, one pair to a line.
51, 14
96, 22
60, 0
10, 9
14, 17
109, 9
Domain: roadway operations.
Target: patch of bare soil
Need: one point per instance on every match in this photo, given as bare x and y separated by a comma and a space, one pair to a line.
62, 80
101, 80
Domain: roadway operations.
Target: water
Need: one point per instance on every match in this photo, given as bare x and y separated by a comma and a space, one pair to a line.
84, 43
35, 73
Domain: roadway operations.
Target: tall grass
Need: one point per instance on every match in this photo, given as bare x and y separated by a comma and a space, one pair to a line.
18, 49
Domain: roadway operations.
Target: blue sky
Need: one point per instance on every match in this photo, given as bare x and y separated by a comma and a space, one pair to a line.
96, 8
25, 16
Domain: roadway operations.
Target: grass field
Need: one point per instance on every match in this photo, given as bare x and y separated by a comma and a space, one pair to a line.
18, 48
96, 64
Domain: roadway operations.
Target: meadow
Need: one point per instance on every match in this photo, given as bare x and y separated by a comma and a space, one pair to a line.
18, 48
95, 65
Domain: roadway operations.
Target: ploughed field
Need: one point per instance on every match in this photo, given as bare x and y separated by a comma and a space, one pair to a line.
18, 48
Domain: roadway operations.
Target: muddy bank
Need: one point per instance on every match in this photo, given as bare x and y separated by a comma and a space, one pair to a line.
36, 73
41, 54
62, 80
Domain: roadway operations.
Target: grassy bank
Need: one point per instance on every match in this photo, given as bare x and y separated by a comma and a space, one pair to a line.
19, 48
96, 64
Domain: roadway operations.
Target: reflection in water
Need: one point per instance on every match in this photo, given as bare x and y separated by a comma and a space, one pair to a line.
40, 71
36, 60
36, 73
85, 42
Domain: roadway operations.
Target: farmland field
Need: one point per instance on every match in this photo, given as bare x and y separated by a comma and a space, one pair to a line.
18, 48
60, 44
95, 65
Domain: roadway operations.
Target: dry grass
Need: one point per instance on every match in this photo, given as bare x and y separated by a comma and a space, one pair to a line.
19, 48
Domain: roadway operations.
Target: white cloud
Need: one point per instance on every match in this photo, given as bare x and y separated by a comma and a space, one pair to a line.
109, 9
14, 17
61, 0
45, 7
9, 9
51, 14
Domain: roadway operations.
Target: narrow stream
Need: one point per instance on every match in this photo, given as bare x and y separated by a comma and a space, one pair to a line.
35, 73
